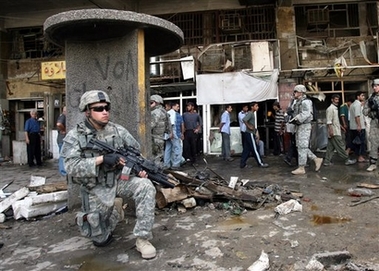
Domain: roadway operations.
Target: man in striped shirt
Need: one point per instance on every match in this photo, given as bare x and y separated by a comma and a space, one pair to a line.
278, 129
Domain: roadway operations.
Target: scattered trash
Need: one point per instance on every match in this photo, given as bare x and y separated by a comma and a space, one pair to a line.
363, 201
288, 206
360, 192
261, 264
233, 182
122, 258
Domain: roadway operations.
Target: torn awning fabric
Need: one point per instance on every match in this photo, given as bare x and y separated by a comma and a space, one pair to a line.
236, 87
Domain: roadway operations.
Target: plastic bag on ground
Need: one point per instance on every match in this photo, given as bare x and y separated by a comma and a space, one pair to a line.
261, 264
288, 206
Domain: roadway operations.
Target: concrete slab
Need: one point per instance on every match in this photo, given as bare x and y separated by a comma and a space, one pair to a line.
161, 36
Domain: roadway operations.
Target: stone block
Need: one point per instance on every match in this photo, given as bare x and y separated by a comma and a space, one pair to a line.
19, 152
19, 194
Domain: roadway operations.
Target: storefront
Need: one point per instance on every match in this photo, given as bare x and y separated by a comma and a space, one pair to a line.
214, 91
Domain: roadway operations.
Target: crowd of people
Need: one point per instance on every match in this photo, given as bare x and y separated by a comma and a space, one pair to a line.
352, 129
182, 136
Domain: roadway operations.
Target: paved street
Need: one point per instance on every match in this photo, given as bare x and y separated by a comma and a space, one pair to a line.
207, 237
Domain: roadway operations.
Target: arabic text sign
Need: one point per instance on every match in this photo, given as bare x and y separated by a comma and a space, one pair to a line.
53, 70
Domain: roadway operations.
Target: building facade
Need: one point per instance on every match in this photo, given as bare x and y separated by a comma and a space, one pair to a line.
234, 52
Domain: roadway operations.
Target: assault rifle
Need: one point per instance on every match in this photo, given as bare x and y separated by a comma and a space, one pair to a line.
134, 161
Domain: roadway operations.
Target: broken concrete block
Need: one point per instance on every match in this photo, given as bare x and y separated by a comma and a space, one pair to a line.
2, 218
189, 203
22, 209
46, 198
314, 265
37, 181
19, 194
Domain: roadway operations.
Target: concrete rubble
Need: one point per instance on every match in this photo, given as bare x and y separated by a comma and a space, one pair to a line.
28, 203
204, 223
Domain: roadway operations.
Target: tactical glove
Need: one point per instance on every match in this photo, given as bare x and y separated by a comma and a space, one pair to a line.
111, 159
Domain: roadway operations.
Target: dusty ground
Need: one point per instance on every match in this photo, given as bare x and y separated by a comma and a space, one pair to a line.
208, 238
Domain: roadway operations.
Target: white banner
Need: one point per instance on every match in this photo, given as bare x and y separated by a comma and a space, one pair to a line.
235, 87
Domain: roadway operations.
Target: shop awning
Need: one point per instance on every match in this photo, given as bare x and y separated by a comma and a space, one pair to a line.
236, 87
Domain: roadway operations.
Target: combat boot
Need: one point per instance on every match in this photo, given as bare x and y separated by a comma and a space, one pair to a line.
146, 248
318, 163
299, 171
372, 167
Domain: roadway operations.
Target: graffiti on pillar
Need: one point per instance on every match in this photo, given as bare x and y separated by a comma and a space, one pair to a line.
117, 76
118, 70
72, 100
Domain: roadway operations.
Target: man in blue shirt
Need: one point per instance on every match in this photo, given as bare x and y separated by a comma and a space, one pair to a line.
33, 139
192, 125
225, 133
61, 125
173, 150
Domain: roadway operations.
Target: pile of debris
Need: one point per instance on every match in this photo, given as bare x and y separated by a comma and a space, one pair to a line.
36, 199
202, 187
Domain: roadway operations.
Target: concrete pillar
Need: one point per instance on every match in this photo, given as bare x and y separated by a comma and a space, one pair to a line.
109, 50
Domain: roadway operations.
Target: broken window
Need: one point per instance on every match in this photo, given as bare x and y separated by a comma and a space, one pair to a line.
203, 28
30, 43
334, 20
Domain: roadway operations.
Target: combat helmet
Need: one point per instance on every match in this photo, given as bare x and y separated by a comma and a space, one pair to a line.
93, 96
156, 98
300, 88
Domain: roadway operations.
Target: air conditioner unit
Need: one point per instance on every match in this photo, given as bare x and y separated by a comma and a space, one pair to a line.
230, 22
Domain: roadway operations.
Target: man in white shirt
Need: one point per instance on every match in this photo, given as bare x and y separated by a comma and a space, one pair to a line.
357, 126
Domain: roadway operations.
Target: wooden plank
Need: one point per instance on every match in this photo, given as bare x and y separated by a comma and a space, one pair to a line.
165, 196
48, 188
368, 185
217, 189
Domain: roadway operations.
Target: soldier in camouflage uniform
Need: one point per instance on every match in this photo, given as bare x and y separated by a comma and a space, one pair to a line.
99, 176
303, 115
160, 125
371, 109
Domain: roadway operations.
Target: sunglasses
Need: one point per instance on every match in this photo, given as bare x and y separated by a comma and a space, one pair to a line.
101, 108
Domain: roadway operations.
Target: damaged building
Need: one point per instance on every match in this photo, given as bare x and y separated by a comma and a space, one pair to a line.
234, 52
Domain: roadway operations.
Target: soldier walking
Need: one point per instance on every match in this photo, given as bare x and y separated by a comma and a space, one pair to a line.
303, 115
